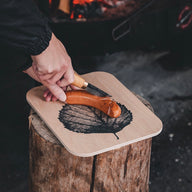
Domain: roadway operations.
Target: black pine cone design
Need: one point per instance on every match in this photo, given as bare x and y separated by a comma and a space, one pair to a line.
85, 119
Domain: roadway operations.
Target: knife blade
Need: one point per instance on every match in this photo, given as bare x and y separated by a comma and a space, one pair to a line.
81, 83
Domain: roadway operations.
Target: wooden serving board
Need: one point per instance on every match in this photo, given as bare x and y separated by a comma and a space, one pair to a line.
85, 131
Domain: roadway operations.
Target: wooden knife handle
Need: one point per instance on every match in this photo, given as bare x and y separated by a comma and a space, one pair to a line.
79, 81
105, 104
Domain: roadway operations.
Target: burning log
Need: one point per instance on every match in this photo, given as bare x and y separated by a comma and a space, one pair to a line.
64, 5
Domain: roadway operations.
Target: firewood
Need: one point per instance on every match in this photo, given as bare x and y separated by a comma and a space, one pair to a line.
64, 6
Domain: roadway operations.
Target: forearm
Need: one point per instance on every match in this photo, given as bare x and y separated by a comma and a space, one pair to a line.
23, 26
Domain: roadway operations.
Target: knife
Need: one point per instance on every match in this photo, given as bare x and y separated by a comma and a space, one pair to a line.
81, 83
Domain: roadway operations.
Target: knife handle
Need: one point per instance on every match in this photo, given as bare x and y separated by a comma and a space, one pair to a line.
79, 81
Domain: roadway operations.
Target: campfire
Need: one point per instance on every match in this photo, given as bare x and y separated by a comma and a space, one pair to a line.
93, 8
83, 10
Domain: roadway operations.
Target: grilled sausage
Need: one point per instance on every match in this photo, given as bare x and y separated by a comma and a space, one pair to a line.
105, 104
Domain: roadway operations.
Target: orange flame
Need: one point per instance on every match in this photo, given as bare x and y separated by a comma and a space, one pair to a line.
82, 1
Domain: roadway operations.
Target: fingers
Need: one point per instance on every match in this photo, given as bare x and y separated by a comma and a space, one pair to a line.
55, 78
57, 92
45, 77
68, 78
74, 87
54, 98
54, 91
50, 66
49, 96
46, 93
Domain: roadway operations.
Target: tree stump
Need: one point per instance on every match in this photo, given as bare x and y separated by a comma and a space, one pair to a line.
53, 169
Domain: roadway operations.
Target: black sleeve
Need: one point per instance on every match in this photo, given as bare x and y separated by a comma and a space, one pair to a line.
23, 26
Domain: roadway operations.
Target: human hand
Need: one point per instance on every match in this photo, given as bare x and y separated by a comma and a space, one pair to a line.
47, 93
50, 97
53, 68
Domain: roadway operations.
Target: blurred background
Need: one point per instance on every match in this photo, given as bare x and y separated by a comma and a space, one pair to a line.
146, 44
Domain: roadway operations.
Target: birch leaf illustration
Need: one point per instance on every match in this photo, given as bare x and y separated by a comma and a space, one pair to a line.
85, 119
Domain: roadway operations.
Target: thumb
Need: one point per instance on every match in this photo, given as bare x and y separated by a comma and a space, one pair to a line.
57, 92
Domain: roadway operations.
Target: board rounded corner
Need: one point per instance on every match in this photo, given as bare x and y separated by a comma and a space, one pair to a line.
27, 96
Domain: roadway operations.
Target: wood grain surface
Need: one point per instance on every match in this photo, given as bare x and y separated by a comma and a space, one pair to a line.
53, 169
145, 124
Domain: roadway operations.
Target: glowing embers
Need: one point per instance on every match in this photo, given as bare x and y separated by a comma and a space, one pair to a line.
82, 1
84, 9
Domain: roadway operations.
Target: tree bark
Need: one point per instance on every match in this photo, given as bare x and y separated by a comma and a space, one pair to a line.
53, 169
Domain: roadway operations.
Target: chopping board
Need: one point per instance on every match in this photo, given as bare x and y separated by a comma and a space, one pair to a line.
86, 131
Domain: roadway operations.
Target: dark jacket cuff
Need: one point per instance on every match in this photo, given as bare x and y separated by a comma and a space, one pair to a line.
41, 43
27, 63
